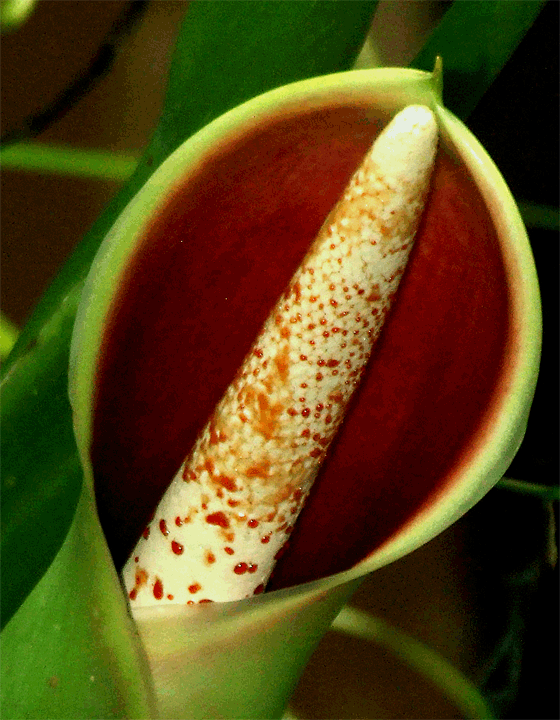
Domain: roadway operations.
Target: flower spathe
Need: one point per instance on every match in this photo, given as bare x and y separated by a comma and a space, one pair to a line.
183, 643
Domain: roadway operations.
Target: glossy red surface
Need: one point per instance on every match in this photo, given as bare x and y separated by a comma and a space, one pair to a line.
210, 267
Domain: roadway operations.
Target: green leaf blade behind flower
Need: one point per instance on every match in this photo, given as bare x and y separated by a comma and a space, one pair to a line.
41, 472
70, 651
214, 68
255, 47
475, 40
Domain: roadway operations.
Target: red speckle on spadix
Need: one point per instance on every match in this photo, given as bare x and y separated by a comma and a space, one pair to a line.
158, 589
177, 548
217, 518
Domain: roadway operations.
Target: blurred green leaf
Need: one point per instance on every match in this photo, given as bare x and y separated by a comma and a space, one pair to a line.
14, 13
536, 215
475, 40
227, 52
548, 493
71, 651
8, 336
65, 160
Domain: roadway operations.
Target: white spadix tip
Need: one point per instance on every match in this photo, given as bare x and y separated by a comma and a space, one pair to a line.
217, 532
407, 142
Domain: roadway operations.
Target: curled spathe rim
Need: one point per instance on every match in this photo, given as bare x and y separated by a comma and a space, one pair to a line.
495, 441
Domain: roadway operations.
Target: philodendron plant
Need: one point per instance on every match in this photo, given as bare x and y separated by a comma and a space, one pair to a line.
173, 301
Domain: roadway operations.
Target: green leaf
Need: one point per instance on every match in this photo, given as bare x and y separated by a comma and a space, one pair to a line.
14, 13
475, 40
8, 336
71, 650
226, 52
234, 54
41, 473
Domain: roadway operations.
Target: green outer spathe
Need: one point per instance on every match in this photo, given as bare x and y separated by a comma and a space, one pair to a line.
181, 645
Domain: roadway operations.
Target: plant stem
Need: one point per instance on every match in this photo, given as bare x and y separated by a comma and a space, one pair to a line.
62, 160
417, 656
539, 216
544, 492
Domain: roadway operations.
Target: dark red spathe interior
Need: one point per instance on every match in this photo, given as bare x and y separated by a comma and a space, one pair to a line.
203, 280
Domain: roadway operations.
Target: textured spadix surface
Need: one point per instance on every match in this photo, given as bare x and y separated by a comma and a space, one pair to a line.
235, 500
